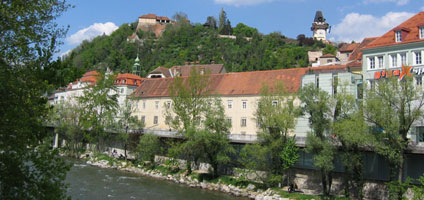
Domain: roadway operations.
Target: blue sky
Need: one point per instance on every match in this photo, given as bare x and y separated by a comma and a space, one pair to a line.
349, 19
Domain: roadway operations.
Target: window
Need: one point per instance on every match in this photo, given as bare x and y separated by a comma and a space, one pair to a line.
168, 104
143, 119
243, 122
144, 104
418, 58
122, 90
230, 121
398, 36
155, 120
420, 133
393, 60
419, 80
403, 58
380, 62
230, 104
243, 132
371, 62
136, 105
274, 102
421, 32
244, 104
156, 105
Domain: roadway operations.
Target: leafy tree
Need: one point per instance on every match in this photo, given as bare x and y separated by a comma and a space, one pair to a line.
127, 122
276, 115
316, 104
222, 19
352, 133
244, 30
66, 118
211, 22
392, 107
329, 49
148, 147
189, 102
99, 107
29, 168
213, 137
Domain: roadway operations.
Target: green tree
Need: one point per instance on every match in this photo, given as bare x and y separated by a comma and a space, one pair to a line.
222, 19
211, 22
148, 147
66, 118
99, 108
276, 115
243, 30
392, 107
351, 131
189, 102
213, 136
317, 105
329, 49
128, 122
29, 36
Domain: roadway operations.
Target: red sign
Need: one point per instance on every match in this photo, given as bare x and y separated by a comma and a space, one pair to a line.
406, 70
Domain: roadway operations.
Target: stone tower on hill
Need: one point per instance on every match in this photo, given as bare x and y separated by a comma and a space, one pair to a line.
319, 27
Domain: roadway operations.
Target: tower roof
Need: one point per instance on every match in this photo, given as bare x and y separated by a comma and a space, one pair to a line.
319, 17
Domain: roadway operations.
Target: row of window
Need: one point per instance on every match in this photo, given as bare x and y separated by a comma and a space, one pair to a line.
243, 120
395, 60
168, 104
398, 34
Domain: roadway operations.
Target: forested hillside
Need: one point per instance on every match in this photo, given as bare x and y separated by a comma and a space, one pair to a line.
185, 42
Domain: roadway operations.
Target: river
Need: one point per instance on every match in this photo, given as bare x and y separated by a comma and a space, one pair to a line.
88, 182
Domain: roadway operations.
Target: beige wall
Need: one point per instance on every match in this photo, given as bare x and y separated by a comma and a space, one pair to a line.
236, 113
146, 21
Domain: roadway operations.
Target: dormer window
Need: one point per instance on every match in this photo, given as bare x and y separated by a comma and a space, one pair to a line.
398, 36
421, 32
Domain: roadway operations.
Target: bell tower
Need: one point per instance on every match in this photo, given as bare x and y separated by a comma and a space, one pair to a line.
319, 27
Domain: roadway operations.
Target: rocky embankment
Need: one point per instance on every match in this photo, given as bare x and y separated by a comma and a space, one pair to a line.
250, 191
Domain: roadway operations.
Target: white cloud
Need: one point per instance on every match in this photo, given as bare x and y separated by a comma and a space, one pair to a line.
398, 2
242, 2
66, 53
91, 32
356, 26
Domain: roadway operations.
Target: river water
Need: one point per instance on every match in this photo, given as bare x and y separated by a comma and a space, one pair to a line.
88, 182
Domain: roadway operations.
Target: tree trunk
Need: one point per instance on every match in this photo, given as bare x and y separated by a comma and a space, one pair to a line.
324, 182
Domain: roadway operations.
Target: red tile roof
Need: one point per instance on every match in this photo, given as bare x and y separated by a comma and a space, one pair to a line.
241, 83
356, 55
161, 70
410, 34
129, 79
348, 47
154, 16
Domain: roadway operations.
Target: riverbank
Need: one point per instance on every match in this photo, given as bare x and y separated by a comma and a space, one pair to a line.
224, 184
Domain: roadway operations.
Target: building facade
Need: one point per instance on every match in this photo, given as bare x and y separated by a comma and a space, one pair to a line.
403, 46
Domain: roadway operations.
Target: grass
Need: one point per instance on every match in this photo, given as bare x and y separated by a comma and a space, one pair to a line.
301, 196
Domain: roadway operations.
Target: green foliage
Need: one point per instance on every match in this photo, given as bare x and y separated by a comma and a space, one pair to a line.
148, 147
398, 188
419, 189
183, 42
99, 107
317, 105
29, 168
242, 30
329, 49
203, 139
66, 119
393, 106
276, 152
